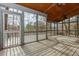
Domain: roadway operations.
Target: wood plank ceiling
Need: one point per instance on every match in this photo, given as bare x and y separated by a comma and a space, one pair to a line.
55, 11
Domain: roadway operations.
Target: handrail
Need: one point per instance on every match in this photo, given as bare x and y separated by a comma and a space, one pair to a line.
11, 31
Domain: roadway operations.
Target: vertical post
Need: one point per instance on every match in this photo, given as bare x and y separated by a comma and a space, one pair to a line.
22, 28
57, 28
46, 30
54, 28
77, 31
76, 26
50, 29
37, 27
69, 27
62, 28
1, 31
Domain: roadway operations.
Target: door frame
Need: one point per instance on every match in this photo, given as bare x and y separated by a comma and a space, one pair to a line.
2, 29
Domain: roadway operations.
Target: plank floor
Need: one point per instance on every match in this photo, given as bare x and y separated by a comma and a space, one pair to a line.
56, 46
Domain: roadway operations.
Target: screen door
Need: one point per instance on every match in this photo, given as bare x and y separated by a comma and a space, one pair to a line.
11, 30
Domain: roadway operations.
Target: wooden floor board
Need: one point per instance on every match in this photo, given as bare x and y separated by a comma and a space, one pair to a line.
45, 48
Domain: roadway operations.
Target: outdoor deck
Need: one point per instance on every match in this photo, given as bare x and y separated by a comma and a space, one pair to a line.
55, 46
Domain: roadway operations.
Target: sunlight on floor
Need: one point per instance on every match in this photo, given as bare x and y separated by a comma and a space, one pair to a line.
55, 46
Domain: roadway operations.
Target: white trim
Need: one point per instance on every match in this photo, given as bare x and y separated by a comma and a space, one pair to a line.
24, 9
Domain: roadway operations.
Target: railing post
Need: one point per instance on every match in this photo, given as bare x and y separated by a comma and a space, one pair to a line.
62, 29
69, 27
22, 28
57, 28
54, 28
1, 31
77, 31
46, 30
36, 27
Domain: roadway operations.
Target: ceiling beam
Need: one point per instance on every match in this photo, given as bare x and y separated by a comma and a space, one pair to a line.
49, 7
